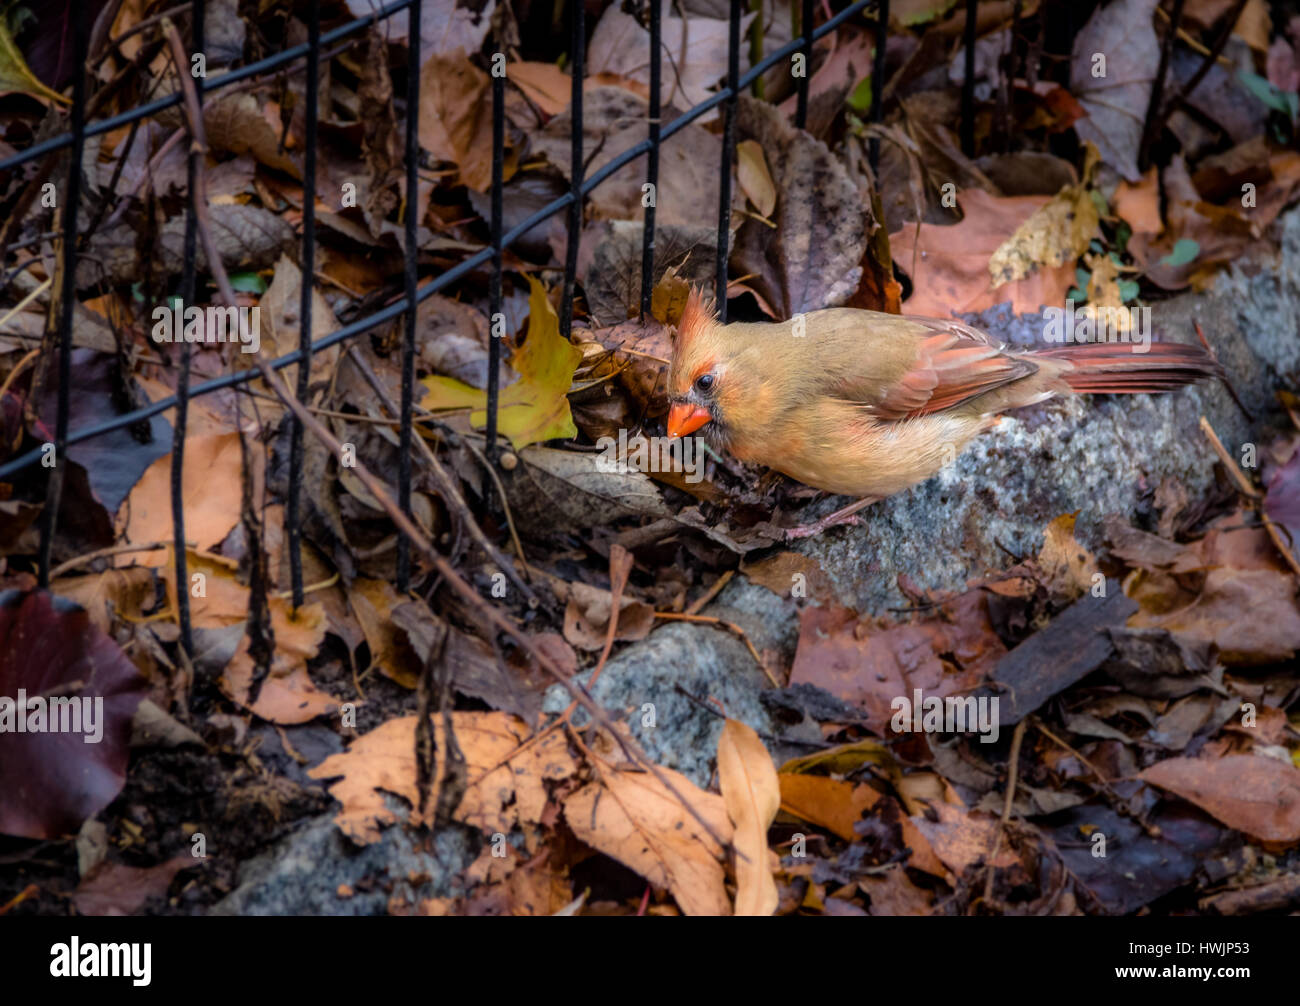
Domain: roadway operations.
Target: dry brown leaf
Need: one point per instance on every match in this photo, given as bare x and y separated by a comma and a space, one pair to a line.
833, 804
632, 817
790, 574
620, 46
383, 761
1070, 568
962, 838
240, 123
949, 265
586, 615
613, 119
280, 306
545, 84
870, 667
211, 491
1116, 98
813, 257
1251, 793
1138, 203
288, 695
456, 116
112, 592
755, 180
752, 797
1055, 235
217, 598
1249, 614
373, 602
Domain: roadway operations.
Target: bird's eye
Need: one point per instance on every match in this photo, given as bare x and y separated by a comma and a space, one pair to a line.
704, 382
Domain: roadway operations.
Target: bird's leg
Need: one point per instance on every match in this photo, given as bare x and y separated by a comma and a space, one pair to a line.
844, 515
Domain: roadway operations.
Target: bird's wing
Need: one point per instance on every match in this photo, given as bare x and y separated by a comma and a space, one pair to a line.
951, 364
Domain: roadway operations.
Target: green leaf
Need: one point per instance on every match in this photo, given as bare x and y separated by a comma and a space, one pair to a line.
535, 407
1128, 289
1286, 102
248, 282
1076, 295
1082, 277
15, 74
1122, 235
1185, 250
913, 12
860, 99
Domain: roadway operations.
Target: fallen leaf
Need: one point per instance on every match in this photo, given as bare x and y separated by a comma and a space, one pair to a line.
754, 178
536, 407
15, 76
632, 817
1070, 569
373, 602
499, 796
1056, 234
55, 661
118, 889
211, 490
696, 51
1138, 203
834, 804
1253, 794
949, 265
813, 257
752, 797
456, 116
1116, 92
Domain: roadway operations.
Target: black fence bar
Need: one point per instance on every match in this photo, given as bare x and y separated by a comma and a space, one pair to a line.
412, 219
293, 505
968, 83
805, 28
215, 84
652, 161
456, 272
878, 85
181, 427
578, 168
496, 318
728, 155
71, 201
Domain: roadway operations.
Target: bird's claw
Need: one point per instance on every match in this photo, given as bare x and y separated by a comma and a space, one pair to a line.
817, 527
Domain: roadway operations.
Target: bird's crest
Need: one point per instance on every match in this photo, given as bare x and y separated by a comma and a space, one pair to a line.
697, 317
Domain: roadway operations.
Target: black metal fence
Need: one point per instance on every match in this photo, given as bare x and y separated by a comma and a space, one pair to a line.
657, 133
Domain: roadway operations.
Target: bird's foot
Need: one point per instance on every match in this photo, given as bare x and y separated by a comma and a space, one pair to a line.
844, 517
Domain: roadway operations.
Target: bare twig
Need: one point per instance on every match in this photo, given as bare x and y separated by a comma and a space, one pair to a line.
1013, 772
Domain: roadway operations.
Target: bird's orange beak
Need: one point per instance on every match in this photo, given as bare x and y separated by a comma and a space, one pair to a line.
685, 418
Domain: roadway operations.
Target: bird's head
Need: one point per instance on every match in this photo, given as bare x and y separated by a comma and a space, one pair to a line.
698, 386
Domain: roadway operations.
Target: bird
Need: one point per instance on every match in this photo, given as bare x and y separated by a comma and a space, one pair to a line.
864, 404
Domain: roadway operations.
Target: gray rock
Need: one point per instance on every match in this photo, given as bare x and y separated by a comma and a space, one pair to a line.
709, 663
301, 874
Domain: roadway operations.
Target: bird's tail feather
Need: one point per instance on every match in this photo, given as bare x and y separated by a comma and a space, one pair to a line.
1105, 369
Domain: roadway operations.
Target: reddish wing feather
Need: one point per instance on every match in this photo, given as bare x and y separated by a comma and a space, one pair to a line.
952, 366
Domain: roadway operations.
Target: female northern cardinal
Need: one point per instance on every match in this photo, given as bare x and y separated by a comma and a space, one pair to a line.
867, 404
